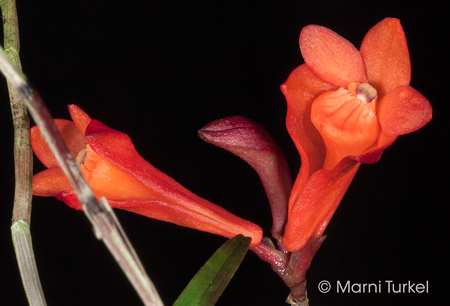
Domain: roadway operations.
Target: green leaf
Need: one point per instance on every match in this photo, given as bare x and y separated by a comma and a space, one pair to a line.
212, 279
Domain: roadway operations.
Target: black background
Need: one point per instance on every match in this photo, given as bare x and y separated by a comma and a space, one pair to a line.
161, 70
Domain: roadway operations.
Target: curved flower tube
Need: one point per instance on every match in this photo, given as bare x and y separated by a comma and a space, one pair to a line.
114, 169
344, 108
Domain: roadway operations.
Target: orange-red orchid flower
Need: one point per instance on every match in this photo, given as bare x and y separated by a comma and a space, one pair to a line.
114, 169
344, 108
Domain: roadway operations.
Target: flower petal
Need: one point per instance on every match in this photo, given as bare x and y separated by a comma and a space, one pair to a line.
71, 135
184, 216
317, 203
168, 212
50, 182
71, 199
251, 142
403, 110
300, 90
112, 182
331, 57
386, 55
117, 148
347, 125
80, 118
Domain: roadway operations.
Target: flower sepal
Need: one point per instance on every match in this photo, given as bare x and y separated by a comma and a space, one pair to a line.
316, 203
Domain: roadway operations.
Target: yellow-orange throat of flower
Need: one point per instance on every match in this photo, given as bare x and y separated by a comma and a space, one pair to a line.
346, 120
109, 180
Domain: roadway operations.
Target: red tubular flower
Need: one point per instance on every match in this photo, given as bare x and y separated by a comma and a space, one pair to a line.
344, 108
114, 169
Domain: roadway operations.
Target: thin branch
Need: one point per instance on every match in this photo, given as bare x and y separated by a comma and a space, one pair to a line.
22, 145
23, 162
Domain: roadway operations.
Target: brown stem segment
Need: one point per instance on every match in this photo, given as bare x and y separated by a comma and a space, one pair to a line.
23, 161
22, 145
291, 267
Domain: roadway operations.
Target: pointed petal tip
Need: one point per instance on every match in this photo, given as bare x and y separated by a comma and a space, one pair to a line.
237, 132
228, 123
79, 117
283, 88
391, 20
71, 199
